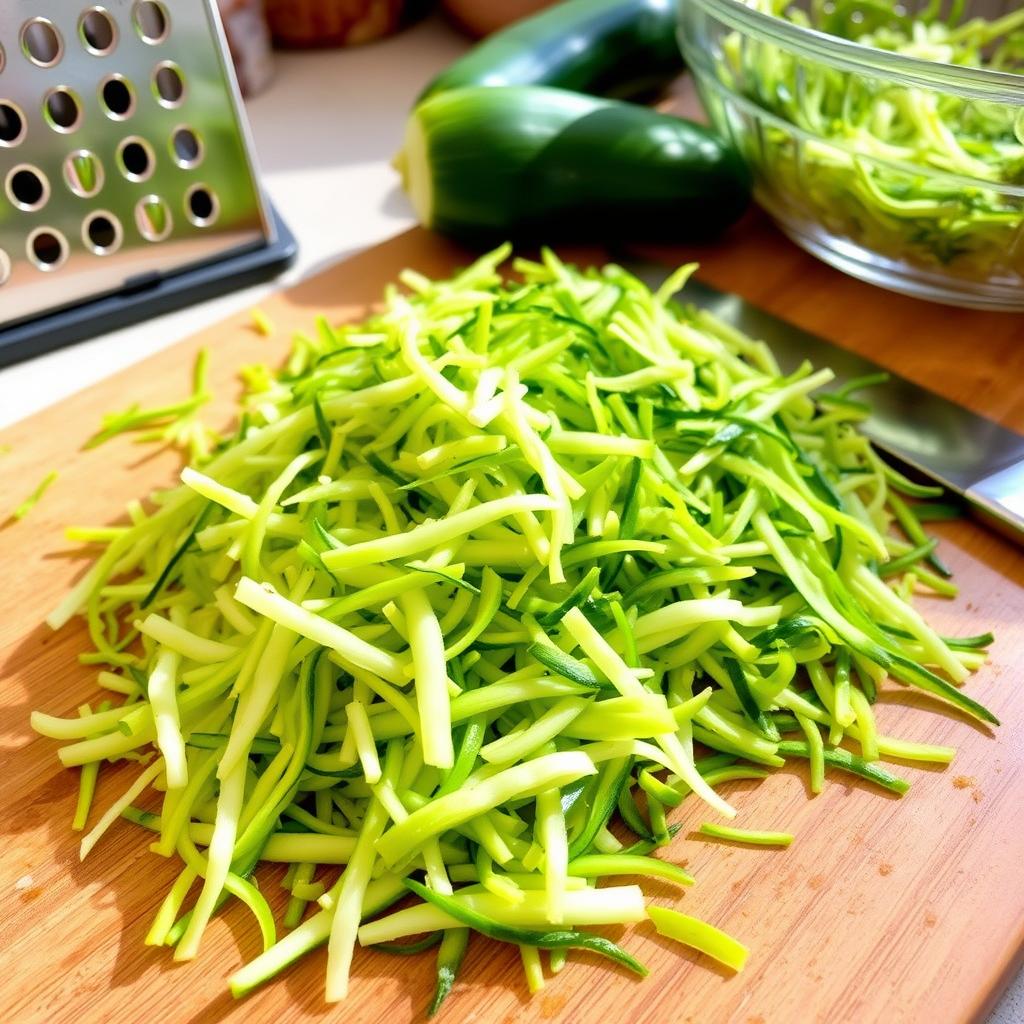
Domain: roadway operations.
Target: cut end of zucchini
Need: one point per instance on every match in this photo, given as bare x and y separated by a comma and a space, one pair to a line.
413, 164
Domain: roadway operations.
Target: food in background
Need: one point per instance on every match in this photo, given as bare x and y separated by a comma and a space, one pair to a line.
904, 171
534, 163
305, 23
489, 153
249, 42
620, 48
482, 17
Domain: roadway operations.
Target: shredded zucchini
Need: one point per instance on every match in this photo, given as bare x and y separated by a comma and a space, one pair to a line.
909, 172
743, 835
35, 497
508, 561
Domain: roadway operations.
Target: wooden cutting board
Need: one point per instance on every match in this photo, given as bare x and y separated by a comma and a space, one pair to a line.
882, 910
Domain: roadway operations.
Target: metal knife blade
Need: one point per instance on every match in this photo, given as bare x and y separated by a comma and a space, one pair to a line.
967, 453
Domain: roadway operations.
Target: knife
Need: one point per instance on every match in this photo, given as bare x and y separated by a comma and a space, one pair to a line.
964, 452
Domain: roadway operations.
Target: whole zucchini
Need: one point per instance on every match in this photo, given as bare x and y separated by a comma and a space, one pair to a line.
528, 162
604, 47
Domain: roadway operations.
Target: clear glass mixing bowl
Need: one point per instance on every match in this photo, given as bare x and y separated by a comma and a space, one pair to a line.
817, 118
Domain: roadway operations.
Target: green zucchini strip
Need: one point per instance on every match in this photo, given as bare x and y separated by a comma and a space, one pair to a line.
699, 935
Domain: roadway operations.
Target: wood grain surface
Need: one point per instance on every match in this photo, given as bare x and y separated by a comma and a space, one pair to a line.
902, 911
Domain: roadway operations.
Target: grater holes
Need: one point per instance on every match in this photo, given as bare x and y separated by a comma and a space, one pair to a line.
153, 218
102, 233
12, 124
83, 173
62, 109
186, 148
151, 21
135, 158
41, 42
97, 31
201, 206
5, 267
168, 84
47, 248
27, 187
118, 97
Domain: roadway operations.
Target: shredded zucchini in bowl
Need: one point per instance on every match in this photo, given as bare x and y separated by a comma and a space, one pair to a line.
918, 169
507, 562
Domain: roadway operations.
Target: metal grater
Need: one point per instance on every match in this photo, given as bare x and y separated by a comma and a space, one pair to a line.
124, 153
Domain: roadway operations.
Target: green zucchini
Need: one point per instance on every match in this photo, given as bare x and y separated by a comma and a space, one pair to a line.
529, 162
620, 48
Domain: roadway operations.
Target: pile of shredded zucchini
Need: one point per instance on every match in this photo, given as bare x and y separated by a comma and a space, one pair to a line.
909, 172
474, 576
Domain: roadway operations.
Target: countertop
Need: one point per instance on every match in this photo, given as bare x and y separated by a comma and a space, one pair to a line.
325, 132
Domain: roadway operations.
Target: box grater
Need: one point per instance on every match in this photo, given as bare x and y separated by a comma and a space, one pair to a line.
125, 167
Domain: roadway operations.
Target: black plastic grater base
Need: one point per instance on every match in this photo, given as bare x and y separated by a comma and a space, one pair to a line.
140, 300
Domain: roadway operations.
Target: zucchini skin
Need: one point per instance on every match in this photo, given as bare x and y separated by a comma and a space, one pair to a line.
620, 48
532, 163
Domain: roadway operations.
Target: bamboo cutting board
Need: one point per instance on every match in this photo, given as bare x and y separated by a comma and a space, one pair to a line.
882, 910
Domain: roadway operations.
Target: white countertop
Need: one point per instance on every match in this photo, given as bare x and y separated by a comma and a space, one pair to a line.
325, 132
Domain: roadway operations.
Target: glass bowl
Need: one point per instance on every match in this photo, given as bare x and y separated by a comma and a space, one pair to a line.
900, 170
